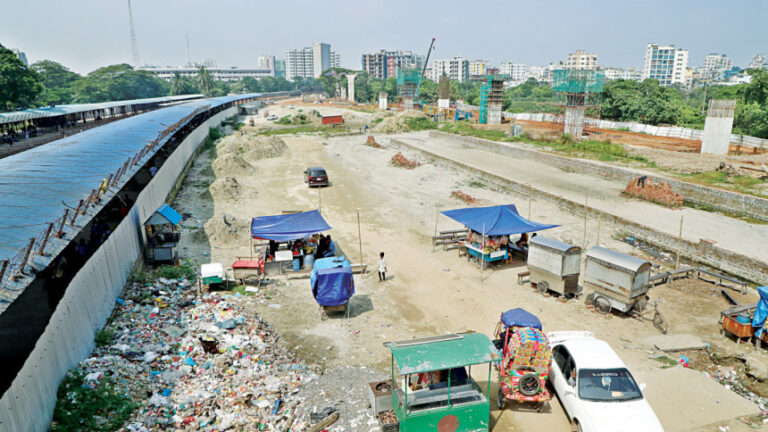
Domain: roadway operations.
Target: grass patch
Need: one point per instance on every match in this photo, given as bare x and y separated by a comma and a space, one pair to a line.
378, 120
240, 289
184, 271
298, 119
665, 361
326, 130
420, 123
104, 337
477, 184
735, 215
464, 128
81, 408
741, 183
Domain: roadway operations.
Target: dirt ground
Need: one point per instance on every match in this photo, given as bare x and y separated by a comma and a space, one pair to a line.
398, 210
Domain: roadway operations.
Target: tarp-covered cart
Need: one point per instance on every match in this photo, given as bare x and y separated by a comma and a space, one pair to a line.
526, 356
162, 235
554, 266
434, 389
620, 282
332, 285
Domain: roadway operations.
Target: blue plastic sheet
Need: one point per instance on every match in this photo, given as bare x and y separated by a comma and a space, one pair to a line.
332, 282
761, 313
495, 220
520, 318
289, 226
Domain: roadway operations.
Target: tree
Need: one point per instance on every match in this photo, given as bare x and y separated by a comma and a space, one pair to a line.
118, 82
205, 81
757, 90
19, 85
178, 86
57, 82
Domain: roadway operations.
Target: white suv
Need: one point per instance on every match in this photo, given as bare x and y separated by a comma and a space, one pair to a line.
595, 387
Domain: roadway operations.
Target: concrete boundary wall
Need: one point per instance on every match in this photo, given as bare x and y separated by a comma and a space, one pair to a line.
711, 255
665, 131
28, 403
719, 199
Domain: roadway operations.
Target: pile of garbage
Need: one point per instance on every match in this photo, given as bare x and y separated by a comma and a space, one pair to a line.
661, 193
401, 161
191, 361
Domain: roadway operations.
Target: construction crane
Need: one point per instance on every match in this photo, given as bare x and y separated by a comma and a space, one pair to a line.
424, 68
134, 46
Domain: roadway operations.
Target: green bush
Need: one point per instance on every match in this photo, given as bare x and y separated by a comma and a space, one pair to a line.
104, 337
183, 271
420, 123
81, 408
286, 120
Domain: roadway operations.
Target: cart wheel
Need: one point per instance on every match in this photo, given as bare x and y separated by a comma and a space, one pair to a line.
660, 322
602, 305
640, 305
500, 400
542, 287
540, 408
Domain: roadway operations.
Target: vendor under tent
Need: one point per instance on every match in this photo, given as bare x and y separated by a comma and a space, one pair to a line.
490, 230
292, 237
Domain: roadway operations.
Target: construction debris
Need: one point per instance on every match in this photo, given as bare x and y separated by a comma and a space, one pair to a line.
463, 197
401, 161
371, 142
729, 169
647, 189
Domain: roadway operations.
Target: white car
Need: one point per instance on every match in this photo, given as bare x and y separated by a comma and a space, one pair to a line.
595, 388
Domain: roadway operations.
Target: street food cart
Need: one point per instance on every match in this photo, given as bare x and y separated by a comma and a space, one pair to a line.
525, 359
554, 266
249, 270
286, 231
332, 285
162, 235
489, 231
434, 389
620, 281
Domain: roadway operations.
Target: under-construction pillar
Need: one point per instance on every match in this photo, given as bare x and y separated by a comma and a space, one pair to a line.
574, 121
717, 126
444, 93
351, 87
382, 100
495, 99
407, 103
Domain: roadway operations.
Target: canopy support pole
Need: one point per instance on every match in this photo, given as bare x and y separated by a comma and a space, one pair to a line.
482, 255
360, 243
599, 219
679, 242
586, 200
434, 239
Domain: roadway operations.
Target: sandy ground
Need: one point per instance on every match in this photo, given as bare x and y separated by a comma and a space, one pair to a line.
431, 291
604, 194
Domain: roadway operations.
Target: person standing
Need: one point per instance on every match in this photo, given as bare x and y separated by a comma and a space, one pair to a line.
382, 267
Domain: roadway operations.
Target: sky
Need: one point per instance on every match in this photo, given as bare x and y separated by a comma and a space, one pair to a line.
86, 34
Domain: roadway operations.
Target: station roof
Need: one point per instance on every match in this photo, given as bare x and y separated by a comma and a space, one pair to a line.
37, 185
58, 110
442, 352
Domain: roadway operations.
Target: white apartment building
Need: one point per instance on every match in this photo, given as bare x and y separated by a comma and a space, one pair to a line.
478, 67
335, 60
715, 65
515, 71
309, 62
457, 69
223, 74
535, 72
265, 62
581, 60
758, 61
321, 58
666, 64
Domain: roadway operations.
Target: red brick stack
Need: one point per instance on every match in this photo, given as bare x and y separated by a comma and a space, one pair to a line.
660, 193
372, 142
401, 161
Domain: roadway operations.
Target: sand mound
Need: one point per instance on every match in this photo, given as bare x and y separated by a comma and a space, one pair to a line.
399, 122
230, 164
227, 228
251, 147
229, 189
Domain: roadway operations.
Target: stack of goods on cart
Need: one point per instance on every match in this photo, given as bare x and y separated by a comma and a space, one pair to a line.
491, 243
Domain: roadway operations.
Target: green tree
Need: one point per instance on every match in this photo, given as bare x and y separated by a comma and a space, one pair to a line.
118, 82
205, 81
57, 82
757, 90
178, 86
19, 85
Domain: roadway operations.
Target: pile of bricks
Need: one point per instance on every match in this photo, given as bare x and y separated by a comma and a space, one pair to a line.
469, 199
372, 142
401, 161
650, 190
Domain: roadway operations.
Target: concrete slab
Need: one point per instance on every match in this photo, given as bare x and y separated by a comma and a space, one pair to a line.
678, 390
757, 365
675, 342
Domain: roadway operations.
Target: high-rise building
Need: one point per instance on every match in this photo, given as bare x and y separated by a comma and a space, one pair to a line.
478, 67
335, 60
375, 64
581, 60
515, 71
299, 63
666, 64
457, 69
265, 62
279, 68
21, 55
321, 58
535, 72
384, 64
715, 66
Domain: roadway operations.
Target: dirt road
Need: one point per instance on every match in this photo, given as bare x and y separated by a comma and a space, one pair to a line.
433, 291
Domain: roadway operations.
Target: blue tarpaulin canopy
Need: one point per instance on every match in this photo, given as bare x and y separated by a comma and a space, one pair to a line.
165, 214
289, 226
761, 313
520, 318
496, 220
332, 281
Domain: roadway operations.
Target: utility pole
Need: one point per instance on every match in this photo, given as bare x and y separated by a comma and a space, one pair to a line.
189, 58
134, 46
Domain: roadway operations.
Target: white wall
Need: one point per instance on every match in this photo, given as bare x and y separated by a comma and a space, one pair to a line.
68, 338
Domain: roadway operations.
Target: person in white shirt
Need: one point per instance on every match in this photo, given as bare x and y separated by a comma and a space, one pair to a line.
382, 267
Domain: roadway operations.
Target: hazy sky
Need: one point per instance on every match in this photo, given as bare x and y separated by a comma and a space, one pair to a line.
86, 34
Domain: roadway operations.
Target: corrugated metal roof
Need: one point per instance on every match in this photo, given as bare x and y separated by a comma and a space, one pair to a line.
17, 116
38, 184
451, 351
554, 244
617, 259
165, 214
